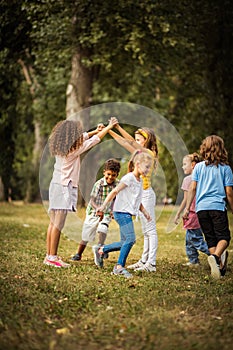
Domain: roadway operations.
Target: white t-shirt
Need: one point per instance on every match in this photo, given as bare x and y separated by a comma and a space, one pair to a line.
129, 199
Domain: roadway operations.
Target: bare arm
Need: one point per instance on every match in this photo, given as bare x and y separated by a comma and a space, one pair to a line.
106, 129
229, 193
129, 145
111, 196
98, 129
124, 133
181, 207
190, 197
145, 212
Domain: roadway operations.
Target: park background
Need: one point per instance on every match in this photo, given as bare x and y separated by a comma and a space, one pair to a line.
61, 57
57, 59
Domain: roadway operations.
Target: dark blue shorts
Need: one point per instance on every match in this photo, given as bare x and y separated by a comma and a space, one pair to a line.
215, 226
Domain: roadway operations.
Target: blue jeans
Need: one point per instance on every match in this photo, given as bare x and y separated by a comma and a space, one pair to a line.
194, 242
128, 237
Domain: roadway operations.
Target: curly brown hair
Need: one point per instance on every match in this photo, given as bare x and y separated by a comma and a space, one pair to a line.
66, 136
194, 157
112, 164
151, 141
213, 151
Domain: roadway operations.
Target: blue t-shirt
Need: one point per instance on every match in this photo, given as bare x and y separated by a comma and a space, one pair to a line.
211, 182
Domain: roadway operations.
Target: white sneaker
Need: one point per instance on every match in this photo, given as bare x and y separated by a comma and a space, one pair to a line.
136, 265
189, 264
147, 267
57, 262
214, 266
121, 272
223, 259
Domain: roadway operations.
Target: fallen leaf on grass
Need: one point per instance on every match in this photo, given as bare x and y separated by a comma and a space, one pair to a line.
48, 320
62, 331
63, 299
217, 317
108, 308
123, 328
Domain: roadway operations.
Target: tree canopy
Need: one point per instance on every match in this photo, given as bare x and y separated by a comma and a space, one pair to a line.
174, 58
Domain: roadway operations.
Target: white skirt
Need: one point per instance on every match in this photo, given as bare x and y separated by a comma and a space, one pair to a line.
62, 197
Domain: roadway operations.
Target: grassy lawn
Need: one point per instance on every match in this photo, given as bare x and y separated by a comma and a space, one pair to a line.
84, 307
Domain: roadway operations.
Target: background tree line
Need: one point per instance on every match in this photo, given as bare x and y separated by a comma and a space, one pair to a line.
59, 57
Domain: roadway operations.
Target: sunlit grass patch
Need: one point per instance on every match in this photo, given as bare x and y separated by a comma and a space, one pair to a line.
84, 307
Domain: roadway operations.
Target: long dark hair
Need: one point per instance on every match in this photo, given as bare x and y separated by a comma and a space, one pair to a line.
151, 141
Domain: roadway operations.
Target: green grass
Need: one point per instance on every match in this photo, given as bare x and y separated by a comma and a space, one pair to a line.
84, 307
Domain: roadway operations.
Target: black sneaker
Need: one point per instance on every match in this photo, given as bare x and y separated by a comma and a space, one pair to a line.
76, 257
214, 263
224, 258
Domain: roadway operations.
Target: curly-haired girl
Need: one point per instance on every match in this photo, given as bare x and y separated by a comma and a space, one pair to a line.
212, 182
67, 142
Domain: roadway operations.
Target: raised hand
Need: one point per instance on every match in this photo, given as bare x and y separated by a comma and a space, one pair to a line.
100, 127
113, 120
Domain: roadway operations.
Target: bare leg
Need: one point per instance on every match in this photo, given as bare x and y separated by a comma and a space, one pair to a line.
102, 238
55, 238
48, 240
221, 246
57, 221
82, 247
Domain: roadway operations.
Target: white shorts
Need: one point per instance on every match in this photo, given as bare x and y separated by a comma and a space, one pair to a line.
92, 225
62, 197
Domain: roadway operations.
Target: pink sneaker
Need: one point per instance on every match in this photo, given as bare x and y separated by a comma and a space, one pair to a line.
56, 262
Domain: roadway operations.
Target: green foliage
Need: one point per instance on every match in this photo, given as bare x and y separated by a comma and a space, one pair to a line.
172, 57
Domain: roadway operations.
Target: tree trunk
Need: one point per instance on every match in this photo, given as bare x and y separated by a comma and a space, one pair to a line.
33, 191
79, 89
2, 194
78, 94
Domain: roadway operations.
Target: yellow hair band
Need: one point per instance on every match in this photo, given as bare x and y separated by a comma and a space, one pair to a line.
143, 133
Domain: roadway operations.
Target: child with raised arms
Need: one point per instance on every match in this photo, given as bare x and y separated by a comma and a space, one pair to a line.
67, 142
144, 140
128, 197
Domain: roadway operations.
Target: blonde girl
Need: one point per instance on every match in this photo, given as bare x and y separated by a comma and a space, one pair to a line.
145, 140
67, 142
128, 203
